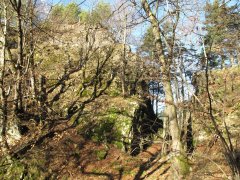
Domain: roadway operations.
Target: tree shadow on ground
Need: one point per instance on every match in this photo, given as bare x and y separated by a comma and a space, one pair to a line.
153, 161
108, 175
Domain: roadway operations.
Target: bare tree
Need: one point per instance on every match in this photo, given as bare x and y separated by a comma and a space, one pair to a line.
18, 104
164, 52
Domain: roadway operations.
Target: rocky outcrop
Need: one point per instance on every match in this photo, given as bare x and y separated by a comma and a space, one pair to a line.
224, 87
13, 134
128, 123
144, 125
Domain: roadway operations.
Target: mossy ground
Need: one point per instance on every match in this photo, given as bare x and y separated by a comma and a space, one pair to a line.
184, 165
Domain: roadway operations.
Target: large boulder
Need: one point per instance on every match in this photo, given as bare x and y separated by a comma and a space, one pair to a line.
128, 123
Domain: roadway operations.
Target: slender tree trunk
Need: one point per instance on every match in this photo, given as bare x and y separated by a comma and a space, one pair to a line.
43, 97
238, 57
153, 95
183, 79
18, 105
222, 62
232, 59
32, 65
157, 98
3, 97
176, 84
124, 62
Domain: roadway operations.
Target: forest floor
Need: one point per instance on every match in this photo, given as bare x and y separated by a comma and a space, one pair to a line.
67, 155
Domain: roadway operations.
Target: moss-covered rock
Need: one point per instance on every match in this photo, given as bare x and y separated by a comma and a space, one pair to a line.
21, 169
119, 121
101, 154
13, 170
114, 124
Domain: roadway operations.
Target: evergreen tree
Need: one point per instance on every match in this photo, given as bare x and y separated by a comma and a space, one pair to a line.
56, 14
148, 42
100, 14
65, 14
71, 13
222, 26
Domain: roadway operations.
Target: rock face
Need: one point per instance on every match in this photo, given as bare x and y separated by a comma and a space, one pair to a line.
13, 134
144, 125
224, 87
128, 123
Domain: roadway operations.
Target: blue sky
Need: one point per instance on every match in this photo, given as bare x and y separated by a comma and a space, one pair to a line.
138, 31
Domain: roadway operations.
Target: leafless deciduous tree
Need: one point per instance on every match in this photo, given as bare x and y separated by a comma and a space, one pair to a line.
164, 52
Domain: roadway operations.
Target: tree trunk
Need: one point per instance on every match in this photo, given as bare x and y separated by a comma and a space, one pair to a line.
232, 59
43, 97
124, 62
176, 147
18, 105
238, 58
32, 65
3, 97
171, 112
222, 62
158, 88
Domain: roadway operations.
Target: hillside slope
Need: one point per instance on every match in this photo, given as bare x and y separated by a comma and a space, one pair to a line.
209, 160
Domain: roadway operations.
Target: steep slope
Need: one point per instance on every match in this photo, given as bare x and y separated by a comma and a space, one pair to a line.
209, 160
95, 149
